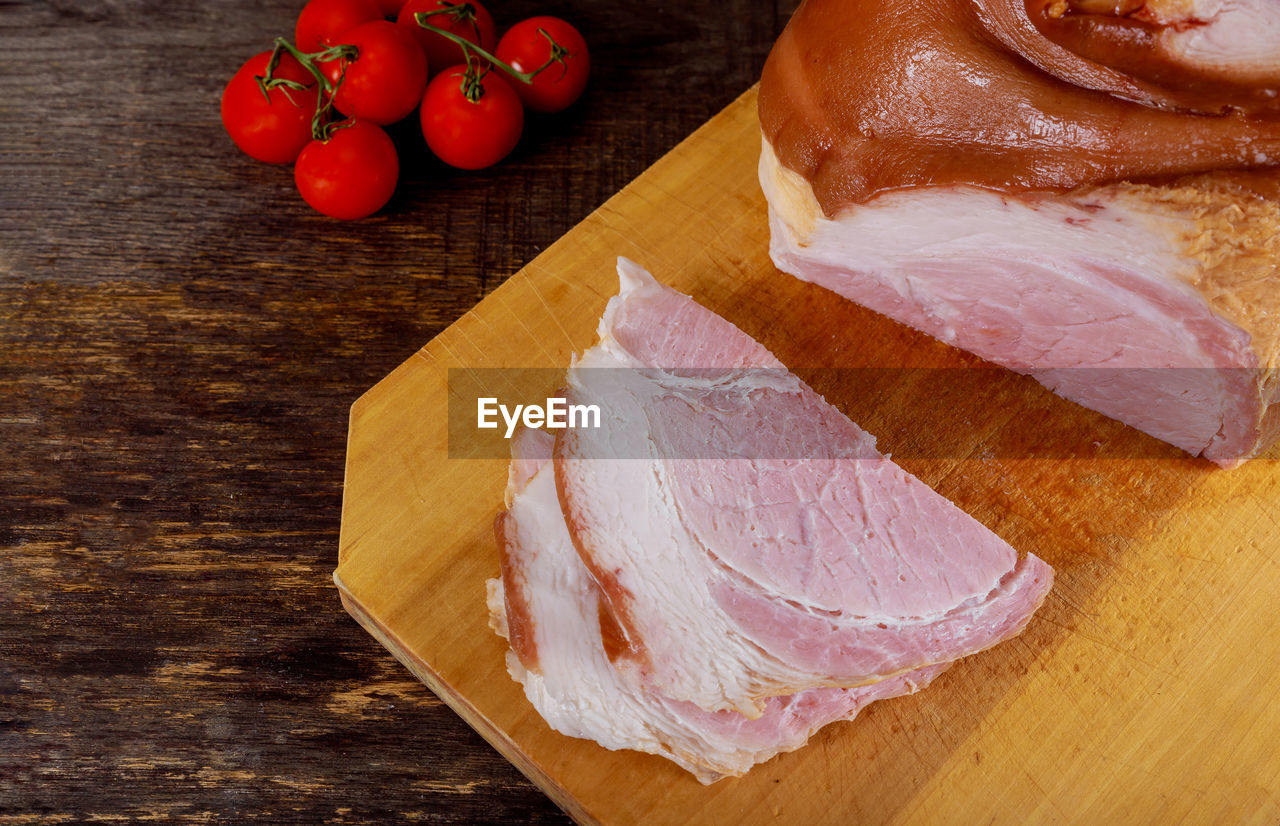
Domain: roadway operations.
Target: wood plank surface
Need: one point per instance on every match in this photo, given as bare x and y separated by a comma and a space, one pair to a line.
181, 339
1142, 692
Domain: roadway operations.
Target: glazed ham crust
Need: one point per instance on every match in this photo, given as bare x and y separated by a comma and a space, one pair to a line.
945, 92
1205, 55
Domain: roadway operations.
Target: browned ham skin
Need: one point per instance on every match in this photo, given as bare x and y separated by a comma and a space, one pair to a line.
1140, 40
864, 96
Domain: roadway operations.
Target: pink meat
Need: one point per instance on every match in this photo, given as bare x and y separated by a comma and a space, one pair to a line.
748, 538
1091, 294
547, 605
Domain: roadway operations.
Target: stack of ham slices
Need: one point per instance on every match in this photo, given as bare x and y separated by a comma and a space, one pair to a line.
1086, 191
727, 564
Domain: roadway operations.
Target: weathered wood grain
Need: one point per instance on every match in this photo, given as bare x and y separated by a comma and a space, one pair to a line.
180, 340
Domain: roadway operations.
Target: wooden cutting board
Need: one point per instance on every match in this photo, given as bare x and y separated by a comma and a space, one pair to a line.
1143, 692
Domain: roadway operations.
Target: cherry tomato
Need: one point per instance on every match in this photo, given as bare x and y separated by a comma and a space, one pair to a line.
469, 20
391, 8
384, 82
351, 175
322, 22
525, 48
275, 128
471, 134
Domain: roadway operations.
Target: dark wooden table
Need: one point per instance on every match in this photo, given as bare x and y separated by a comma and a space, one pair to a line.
180, 339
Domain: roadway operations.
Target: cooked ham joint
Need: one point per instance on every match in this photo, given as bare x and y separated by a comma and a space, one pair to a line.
1085, 192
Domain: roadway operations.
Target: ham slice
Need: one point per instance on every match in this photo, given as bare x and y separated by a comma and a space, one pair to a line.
727, 564
1082, 190
549, 607
747, 537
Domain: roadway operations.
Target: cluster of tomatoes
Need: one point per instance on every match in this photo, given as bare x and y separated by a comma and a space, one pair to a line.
355, 66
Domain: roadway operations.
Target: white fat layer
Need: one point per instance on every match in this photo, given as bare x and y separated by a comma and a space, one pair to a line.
1242, 35
898, 231
668, 575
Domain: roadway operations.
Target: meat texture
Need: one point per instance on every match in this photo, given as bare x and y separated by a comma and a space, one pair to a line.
1082, 190
748, 538
727, 564
549, 607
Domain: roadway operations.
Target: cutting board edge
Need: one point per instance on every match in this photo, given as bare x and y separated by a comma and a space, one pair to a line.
354, 411
428, 351
493, 735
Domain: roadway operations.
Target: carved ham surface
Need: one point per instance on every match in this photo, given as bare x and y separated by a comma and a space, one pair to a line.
1052, 185
549, 607
770, 531
727, 564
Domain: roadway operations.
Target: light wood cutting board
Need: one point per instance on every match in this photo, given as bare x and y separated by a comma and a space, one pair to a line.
1143, 692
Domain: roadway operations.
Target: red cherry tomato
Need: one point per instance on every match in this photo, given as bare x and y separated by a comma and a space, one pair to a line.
322, 22
391, 8
384, 82
272, 129
351, 175
526, 48
469, 20
471, 134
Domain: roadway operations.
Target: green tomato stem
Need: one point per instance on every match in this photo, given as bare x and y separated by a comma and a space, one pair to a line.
470, 48
321, 128
558, 53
